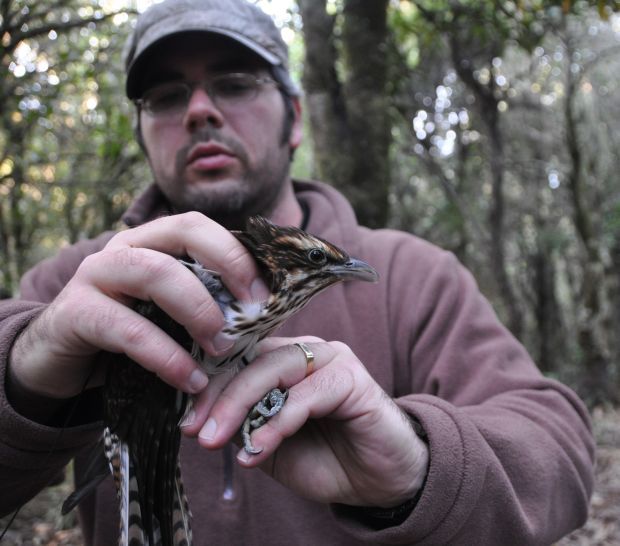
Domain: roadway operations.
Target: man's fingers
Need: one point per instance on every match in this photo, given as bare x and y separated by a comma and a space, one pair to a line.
140, 264
273, 342
124, 273
317, 396
283, 367
122, 330
193, 234
203, 402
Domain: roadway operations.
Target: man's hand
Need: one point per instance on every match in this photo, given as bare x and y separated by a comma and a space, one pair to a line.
55, 355
339, 438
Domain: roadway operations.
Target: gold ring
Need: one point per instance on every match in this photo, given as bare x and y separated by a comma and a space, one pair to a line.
309, 357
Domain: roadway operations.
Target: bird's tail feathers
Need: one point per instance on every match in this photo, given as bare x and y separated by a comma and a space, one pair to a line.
181, 515
131, 526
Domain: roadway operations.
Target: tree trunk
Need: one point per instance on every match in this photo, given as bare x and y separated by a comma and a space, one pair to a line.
596, 385
488, 108
349, 119
549, 325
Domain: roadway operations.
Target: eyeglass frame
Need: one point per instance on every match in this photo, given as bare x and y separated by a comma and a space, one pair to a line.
207, 86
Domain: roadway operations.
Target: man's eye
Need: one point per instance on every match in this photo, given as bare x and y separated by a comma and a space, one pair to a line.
162, 99
233, 87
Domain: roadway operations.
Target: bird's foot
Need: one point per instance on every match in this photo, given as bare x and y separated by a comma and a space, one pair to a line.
263, 410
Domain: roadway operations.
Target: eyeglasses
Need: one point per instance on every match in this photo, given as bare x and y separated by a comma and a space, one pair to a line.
225, 90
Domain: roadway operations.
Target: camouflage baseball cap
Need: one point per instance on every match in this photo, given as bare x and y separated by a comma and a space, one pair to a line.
236, 19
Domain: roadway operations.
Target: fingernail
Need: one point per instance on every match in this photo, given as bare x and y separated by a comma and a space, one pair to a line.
198, 380
208, 431
222, 342
188, 419
259, 290
243, 456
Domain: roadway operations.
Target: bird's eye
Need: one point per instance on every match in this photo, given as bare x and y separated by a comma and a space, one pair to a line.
317, 256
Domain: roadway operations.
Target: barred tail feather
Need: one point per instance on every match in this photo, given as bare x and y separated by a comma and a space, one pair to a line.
181, 515
131, 527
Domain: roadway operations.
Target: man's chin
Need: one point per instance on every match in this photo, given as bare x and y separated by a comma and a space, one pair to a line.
213, 185
222, 198
211, 177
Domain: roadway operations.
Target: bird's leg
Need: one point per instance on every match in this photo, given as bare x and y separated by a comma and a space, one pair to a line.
263, 410
271, 403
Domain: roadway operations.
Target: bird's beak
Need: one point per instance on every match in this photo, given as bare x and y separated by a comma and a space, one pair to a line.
355, 270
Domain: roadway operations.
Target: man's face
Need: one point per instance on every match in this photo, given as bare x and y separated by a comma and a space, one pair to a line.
228, 162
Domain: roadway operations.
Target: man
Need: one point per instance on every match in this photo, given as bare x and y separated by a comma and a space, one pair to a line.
424, 423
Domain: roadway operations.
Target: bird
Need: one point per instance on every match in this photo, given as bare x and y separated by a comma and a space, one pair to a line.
141, 438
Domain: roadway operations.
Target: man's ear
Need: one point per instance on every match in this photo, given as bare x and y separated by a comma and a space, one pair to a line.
137, 132
296, 134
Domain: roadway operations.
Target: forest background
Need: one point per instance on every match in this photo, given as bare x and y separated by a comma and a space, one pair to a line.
489, 127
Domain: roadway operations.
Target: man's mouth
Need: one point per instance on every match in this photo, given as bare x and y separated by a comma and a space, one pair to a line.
209, 156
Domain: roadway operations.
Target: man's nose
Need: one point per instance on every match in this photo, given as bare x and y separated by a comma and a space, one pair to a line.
201, 111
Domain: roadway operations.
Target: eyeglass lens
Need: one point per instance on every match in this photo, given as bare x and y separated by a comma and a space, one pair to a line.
224, 90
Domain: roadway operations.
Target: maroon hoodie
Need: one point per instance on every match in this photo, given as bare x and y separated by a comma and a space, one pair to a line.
511, 453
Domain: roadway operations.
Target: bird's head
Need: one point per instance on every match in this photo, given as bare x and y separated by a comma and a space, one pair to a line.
296, 261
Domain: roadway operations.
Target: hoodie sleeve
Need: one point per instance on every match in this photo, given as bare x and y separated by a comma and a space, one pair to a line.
33, 454
511, 452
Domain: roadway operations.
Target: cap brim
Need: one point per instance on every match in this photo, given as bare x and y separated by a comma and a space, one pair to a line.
193, 21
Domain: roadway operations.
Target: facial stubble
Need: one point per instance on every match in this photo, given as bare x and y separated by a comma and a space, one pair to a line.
229, 202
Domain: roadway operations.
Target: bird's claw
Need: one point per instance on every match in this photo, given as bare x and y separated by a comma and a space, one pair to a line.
263, 410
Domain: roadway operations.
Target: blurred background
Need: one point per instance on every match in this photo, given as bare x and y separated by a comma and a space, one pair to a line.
488, 127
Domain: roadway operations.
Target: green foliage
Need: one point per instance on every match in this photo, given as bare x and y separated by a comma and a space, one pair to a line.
490, 21
612, 223
505, 87
66, 162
